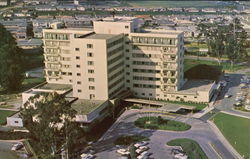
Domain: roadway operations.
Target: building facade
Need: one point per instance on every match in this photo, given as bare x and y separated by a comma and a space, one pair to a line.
113, 57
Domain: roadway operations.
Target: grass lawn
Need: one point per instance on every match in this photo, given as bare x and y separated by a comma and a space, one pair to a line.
127, 140
189, 63
191, 148
161, 124
236, 130
173, 4
248, 73
4, 114
198, 106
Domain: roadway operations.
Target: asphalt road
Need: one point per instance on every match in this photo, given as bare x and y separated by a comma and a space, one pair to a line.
200, 132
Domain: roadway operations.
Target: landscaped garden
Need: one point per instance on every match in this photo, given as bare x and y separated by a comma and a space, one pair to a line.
161, 124
236, 130
127, 140
198, 106
191, 148
4, 114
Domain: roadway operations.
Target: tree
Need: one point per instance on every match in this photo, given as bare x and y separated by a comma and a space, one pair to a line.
10, 62
50, 120
224, 39
236, 41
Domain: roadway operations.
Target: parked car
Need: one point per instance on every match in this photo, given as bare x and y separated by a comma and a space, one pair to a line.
17, 146
123, 152
238, 104
87, 156
228, 95
143, 143
143, 155
141, 149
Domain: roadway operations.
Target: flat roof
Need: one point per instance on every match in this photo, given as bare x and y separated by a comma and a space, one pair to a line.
100, 36
192, 86
84, 106
57, 87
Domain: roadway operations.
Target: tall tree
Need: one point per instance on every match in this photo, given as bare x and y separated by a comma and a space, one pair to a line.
10, 62
50, 120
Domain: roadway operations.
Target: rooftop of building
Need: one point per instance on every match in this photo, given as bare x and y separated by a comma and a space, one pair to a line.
56, 87
84, 106
193, 86
100, 36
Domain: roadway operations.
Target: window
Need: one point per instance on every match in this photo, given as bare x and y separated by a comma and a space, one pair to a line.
79, 82
127, 50
90, 71
70, 74
90, 54
77, 57
127, 58
78, 74
63, 73
143, 94
91, 96
91, 87
77, 49
70, 81
126, 26
16, 122
78, 66
79, 90
91, 80
90, 62
89, 46
127, 73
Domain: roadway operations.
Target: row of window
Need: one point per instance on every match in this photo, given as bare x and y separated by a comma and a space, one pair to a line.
116, 74
109, 45
146, 71
135, 55
116, 91
116, 66
56, 36
115, 59
146, 63
115, 51
140, 78
116, 82
154, 40
145, 86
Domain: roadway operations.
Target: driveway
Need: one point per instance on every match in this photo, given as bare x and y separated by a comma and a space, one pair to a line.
200, 132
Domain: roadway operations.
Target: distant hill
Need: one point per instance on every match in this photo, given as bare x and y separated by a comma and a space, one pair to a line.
203, 71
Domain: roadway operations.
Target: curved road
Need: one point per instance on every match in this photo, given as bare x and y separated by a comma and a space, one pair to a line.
200, 132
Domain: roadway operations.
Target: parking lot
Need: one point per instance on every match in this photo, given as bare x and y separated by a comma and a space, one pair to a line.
7, 153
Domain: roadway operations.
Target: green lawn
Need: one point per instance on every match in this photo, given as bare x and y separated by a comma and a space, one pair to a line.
191, 148
127, 140
236, 130
161, 124
248, 73
173, 4
189, 63
4, 114
198, 106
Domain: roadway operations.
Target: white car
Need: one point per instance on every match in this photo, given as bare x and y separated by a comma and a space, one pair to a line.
17, 146
87, 156
123, 151
143, 143
228, 95
144, 155
141, 149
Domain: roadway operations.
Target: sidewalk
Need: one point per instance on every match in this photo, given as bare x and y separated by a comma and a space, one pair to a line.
207, 109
